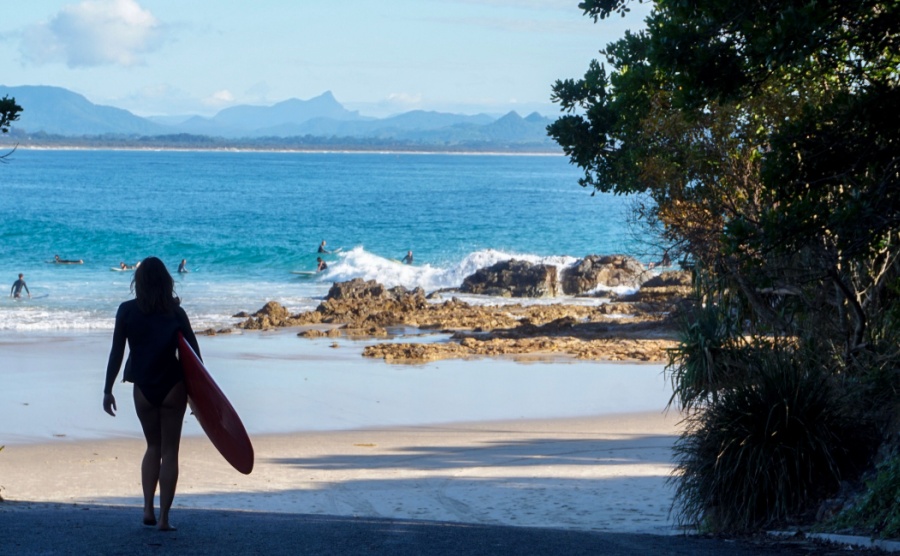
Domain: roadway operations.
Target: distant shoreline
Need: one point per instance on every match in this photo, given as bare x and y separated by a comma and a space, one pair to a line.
274, 150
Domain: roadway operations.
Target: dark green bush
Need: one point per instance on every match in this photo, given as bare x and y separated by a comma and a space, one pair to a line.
878, 511
765, 450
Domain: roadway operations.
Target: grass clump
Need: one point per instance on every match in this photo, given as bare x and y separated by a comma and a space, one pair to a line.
764, 450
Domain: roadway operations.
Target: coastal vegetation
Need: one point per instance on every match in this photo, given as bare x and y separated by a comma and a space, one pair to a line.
9, 112
762, 140
312, 143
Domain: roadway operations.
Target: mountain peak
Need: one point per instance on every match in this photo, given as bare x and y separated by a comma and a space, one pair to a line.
290, 111
59, 111
511, 116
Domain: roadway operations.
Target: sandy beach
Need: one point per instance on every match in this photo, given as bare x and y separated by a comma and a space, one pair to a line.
580, 446
602, 474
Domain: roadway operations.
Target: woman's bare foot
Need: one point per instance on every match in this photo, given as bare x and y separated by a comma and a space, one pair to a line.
165, 527
149, 517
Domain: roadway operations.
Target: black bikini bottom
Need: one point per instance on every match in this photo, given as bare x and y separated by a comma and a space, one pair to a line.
156, 393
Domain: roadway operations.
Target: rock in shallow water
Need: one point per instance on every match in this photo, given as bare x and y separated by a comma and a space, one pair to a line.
609, 271
513, 279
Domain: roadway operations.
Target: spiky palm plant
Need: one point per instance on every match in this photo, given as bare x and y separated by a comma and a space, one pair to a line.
764, 449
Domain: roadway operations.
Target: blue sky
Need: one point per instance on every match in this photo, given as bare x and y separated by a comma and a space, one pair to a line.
171, 57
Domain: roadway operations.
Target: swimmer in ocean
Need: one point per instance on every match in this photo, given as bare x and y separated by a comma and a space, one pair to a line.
16, 291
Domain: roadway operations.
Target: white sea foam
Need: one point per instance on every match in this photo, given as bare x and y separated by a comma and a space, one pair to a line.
28, 319
212, 300
359, 263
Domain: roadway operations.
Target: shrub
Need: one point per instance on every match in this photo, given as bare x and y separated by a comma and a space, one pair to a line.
878, 510
764, 450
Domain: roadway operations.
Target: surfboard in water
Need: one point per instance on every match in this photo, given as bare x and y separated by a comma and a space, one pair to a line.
217, 417
32, 298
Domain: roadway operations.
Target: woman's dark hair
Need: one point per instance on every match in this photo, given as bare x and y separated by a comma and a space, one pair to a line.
154, 287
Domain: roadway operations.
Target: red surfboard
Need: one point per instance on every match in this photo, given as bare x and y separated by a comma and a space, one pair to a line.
218, 418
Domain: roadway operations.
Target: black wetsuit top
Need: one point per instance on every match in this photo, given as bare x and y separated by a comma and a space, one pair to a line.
17, 288
152, 363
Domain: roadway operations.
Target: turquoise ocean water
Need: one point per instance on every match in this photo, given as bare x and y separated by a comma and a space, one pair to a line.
245, 220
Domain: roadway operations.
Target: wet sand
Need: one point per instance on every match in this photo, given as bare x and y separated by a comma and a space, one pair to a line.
279, 383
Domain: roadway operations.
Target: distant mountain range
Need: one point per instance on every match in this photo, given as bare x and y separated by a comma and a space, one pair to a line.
59, 114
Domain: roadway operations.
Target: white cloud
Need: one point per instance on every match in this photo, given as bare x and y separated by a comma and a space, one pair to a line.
219, 98
401, 100
94, 33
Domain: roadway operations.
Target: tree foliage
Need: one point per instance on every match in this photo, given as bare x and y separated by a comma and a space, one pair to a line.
766, 134
9, 112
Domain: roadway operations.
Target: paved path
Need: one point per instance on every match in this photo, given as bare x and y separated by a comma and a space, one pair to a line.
50, 529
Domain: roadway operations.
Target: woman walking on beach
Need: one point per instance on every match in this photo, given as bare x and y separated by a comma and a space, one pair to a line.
150, 323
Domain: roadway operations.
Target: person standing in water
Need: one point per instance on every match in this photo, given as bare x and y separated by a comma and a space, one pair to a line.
16, 291
322, 247
182, 267
408, 259
322, 265
150, 323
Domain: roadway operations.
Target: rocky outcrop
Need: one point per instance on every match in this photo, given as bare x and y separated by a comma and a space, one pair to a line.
355, 305
669, 278
513, 279
359, 309
670, 287
272, 315
609, 271
536, 348
366, 304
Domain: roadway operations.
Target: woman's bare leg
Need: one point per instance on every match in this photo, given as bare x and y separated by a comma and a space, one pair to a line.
149, 417
162, 430
171, 420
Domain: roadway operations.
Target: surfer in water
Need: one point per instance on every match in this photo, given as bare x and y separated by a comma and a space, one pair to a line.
149, 324
16, 291
182, 267
322, 265
57, 260
408, 259
322, 247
